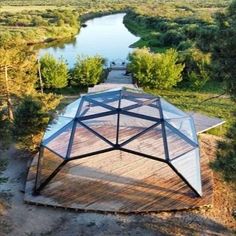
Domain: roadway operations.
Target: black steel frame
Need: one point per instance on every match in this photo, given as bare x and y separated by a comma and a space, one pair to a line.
153, 102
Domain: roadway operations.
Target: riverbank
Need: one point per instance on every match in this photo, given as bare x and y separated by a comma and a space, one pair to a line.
45, 25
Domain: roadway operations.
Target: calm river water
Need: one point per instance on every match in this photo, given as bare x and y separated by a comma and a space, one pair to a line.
106, 36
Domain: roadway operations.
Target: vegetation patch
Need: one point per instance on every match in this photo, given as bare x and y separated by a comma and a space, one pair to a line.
3, 166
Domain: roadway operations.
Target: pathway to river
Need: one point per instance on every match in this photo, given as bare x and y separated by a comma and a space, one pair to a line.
116, 78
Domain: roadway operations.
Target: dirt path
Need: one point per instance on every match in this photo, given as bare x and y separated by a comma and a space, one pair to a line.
17, 218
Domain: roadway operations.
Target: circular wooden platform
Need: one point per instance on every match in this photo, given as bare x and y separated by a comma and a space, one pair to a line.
118, 182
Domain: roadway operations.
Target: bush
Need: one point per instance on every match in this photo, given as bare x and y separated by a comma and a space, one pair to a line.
88, 71
54, 72
191, 30
155, 70
198, 80
172, 38
167, 72
205, 36
29, 123
184, 45
196, 72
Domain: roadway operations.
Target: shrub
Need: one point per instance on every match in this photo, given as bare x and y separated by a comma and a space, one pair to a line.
167, 71
205, 36
29, 123
198, 80
88, 70
196, 71
172, 38
191, 30
54, 72
184, 45
155, 70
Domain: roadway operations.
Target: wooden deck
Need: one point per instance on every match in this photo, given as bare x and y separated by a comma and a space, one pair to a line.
117, 182
204, 123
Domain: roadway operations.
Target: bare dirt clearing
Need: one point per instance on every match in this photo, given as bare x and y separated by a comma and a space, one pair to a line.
17, 218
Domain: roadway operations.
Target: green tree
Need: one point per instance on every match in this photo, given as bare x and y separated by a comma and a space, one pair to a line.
29, 123
224, 55
54, 72
152, 70
17, 75
167, 71
224, 48
141, 66
88, 70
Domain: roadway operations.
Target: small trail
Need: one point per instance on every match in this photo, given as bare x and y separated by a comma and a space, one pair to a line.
116, 78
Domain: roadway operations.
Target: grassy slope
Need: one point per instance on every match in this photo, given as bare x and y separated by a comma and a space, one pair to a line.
191, 101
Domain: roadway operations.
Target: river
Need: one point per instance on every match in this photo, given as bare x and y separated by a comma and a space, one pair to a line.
106, 36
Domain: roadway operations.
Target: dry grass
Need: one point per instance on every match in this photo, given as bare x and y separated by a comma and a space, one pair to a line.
15, 9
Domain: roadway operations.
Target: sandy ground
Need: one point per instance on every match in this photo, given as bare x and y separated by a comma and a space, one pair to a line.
17, 218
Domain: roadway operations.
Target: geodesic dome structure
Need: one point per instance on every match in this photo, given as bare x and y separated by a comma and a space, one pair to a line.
127, 120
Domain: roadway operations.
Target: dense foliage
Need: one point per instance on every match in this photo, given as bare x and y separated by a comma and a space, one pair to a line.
17, 75
224, 48
37, 26
88, 70
18, 78
224, 54
54, 72
226, 156
29, 123
5, 133
155, 70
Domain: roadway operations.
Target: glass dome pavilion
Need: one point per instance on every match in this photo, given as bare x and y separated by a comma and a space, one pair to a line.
127, 120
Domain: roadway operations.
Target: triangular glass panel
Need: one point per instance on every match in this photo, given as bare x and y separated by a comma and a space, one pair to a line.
110, 98
126, 103
148, 107
186, 126
60, 140
150, 143
177, 146
130, 126
188, 166
106, 126
57, 124
89, 108
135, 94
85, 142
170, 111
71, 109
48, 163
